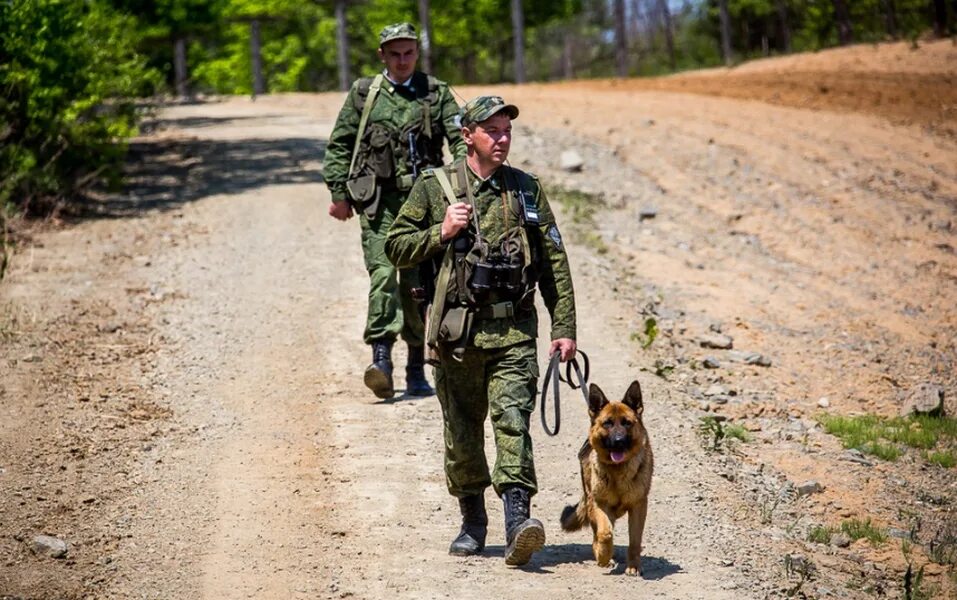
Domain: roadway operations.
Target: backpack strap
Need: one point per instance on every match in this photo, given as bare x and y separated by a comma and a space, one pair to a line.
446, 185
364, 119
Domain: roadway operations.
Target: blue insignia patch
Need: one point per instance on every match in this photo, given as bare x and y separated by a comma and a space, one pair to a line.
555, 236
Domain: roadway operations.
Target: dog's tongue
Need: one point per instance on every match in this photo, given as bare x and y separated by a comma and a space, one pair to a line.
617, 457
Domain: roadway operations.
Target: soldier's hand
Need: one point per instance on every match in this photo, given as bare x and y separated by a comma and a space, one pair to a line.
340, 210
456, 219
566, 346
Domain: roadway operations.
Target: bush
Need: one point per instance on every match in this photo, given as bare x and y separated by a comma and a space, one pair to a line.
69, 72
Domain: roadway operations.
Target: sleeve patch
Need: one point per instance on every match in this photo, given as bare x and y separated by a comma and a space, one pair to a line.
555, 237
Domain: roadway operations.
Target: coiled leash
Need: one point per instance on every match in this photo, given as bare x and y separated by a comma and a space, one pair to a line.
554, 370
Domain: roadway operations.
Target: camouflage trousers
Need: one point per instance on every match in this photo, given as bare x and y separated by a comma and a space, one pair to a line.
392, 312
496, 381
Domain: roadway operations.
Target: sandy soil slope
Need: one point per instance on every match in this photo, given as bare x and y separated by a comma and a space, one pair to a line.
181, 401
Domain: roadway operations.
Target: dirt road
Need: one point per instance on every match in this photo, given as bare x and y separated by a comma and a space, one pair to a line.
181, 399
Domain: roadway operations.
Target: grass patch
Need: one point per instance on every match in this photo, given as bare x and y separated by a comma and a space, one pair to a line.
651, 332
945, 458
581, 208
887, 438
715, 431
820, 534
857, 529
737, 432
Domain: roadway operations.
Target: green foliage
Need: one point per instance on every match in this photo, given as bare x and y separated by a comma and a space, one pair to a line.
581, 207
820, 534
914, 585
647, 337
713, 430
936, 436
857, 529
69, 73
945, 458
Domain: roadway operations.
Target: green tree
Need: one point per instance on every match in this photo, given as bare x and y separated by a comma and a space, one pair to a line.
69, 73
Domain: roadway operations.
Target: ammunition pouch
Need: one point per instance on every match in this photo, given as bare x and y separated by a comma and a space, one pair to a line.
364, 193
380, 159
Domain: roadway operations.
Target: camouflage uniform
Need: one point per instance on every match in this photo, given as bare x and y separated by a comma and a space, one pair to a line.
391, 310
499, 369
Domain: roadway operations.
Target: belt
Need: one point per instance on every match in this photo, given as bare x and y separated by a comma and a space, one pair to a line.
499, 310
401, 184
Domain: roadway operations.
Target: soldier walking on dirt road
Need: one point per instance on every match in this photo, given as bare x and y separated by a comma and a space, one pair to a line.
389, 129
493, 236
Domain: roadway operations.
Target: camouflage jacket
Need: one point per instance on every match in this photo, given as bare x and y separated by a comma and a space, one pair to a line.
394, 110
415, 236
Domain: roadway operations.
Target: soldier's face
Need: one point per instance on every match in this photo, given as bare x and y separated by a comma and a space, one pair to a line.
491, 139
399, 58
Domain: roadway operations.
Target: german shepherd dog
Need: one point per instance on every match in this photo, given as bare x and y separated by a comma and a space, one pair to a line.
616, 466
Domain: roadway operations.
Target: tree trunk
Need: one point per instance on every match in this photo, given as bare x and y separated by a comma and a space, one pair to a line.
425, 36
940, 18
568, 66
621, 39
725, 31
785, 25
179, 67
518, 32
342, 41
842, 17
669, 32
890, 18
255, 51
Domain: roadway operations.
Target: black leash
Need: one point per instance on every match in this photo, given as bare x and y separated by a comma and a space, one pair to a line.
554, 370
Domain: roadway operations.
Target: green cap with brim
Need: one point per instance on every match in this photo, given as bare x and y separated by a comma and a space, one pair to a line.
482, 108
397, 31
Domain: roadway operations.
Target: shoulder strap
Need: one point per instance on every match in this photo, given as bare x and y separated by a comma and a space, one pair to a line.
469, 198
445, 184
366, 110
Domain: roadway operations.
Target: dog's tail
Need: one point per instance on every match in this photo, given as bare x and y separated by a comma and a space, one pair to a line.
574, 517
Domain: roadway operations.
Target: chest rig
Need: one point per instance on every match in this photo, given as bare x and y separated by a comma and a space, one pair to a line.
387, 156
480, 277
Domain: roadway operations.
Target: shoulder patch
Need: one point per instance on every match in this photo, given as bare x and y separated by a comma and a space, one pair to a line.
555, 236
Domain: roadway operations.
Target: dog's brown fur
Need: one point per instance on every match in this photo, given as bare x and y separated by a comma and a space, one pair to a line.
612, 488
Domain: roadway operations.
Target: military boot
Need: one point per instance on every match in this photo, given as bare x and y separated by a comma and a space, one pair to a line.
523, 535
415, 382
378, 375
471, 538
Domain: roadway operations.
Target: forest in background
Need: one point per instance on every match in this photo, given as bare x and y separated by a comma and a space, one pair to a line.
73, 72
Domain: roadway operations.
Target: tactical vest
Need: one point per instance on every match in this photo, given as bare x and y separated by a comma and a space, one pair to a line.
482, 278
386, 158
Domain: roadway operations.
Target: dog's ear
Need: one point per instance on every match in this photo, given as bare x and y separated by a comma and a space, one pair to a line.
632, 398
596, 400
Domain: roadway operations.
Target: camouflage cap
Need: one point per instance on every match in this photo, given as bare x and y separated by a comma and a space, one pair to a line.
397, 31
479, 109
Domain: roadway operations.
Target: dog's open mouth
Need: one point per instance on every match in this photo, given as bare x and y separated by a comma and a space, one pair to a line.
616, 456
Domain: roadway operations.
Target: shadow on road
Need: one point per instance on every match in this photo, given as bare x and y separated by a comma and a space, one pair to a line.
162, 174
652, 567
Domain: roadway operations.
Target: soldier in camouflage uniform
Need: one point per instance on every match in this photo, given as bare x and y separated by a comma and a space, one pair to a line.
390, 128
493, 234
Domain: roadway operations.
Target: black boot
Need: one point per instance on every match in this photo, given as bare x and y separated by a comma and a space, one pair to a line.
523, 535
415, 382
471, 538
378, 375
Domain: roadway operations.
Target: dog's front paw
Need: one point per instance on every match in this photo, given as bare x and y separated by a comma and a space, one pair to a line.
633, 571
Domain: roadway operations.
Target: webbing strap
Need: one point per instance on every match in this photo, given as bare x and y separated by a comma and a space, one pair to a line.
366, 110
469, 198
554, 370
445, 184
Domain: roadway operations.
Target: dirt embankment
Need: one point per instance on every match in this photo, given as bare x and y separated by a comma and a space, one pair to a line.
908, 86
180, 399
